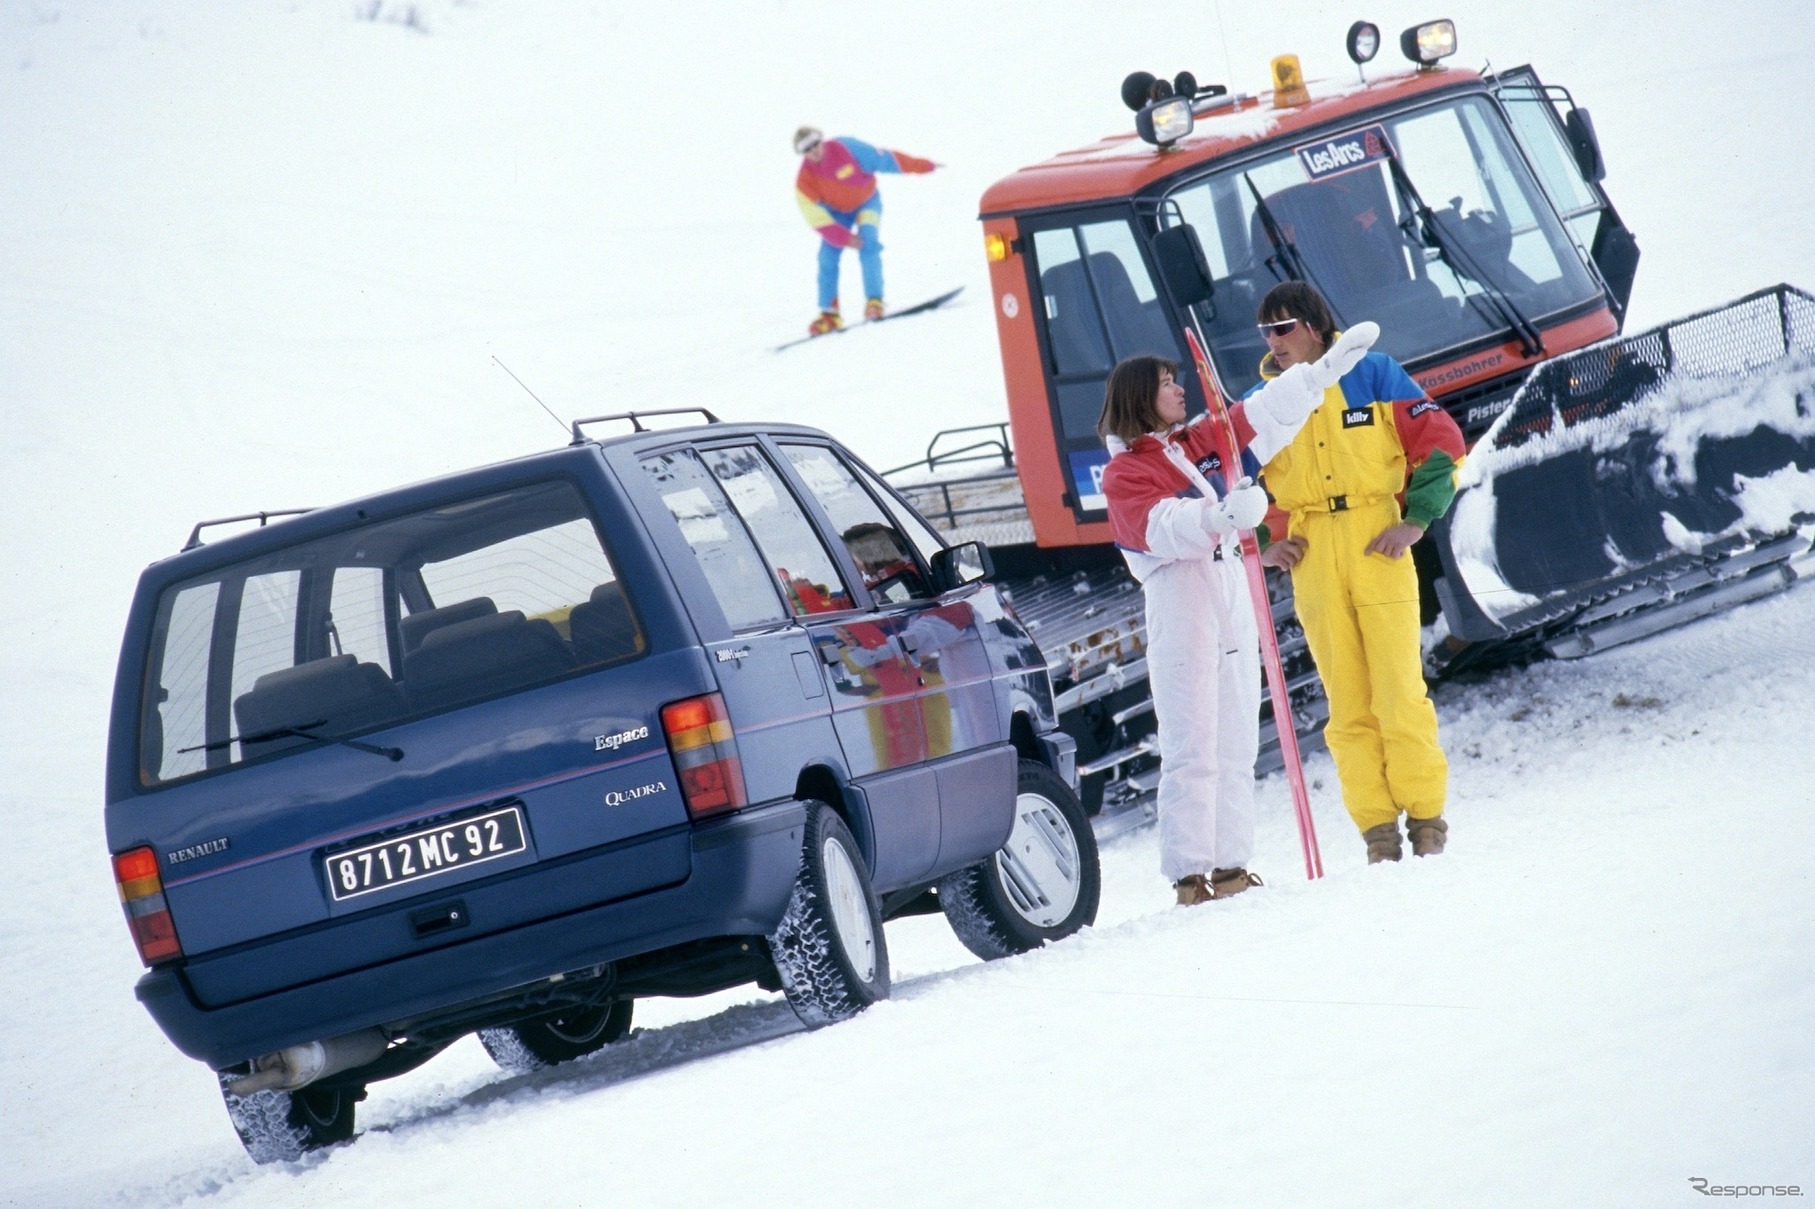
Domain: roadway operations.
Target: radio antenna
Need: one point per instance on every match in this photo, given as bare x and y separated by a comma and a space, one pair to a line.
532, 394
1228, 62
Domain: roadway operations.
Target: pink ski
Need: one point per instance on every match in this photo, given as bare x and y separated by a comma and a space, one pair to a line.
1263, 616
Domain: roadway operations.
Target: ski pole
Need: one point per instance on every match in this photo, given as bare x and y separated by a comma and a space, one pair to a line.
1283, 723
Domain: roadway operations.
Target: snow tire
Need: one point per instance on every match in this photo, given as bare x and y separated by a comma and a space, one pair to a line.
828, 948
540, 1044
1043, 885
283, 1126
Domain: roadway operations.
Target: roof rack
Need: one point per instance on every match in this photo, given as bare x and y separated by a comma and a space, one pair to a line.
636, 419
195, 534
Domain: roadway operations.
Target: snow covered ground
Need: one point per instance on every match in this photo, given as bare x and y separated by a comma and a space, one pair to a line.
264, 254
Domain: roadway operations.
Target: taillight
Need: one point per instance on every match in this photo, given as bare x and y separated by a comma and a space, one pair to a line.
147, 914
705, 753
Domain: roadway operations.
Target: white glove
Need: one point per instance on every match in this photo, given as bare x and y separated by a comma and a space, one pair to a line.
1349, 349
1243, 508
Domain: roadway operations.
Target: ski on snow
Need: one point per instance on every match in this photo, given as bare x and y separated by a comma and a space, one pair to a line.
918, 308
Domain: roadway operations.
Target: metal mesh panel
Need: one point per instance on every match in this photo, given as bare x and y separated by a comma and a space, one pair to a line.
1600, 381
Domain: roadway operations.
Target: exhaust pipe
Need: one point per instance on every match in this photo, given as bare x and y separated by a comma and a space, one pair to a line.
300, 1065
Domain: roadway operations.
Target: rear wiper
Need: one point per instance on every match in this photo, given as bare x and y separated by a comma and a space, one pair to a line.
301, 731
1531, 341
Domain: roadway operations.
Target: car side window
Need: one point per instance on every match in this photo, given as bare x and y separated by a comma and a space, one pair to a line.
875, 542
796, 555
730, 560
922, 535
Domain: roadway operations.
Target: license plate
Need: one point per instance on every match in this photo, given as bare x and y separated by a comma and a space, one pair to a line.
424, 853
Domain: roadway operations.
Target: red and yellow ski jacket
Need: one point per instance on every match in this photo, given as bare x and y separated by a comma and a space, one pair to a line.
842, 179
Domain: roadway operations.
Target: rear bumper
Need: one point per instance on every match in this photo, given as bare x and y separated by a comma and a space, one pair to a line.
743, 870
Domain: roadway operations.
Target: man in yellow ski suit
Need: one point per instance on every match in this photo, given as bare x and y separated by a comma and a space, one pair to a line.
1366, 475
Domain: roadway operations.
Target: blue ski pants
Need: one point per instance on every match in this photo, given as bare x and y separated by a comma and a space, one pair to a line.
866, 219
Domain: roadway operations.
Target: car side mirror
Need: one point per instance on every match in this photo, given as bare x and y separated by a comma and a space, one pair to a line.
1182, 265
955, 566
1587, 148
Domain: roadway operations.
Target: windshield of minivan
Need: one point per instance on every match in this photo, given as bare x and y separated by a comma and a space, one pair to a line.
395, 619
1331, 211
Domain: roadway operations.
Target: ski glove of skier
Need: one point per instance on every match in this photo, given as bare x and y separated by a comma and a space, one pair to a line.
1243, 508
1349, 349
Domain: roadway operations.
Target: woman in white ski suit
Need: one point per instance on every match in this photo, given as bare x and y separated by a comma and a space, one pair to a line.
1177, 525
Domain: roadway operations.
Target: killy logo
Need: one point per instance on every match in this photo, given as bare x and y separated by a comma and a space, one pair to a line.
1344, 153
1358, 417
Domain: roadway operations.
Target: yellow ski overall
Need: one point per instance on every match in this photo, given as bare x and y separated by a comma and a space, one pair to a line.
1340, 481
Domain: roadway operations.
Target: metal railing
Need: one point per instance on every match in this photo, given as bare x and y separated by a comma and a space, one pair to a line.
1601, 381
940, 500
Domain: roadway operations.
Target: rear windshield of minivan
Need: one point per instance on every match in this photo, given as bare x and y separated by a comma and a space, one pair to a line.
395, 619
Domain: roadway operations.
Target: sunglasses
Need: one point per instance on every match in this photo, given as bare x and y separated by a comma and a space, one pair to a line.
1283, 327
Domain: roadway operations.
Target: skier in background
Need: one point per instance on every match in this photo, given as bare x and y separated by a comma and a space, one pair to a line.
1371, 469
836, 189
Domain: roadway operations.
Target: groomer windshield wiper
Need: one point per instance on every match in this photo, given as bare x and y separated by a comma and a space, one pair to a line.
301, 731
1531, 341
1285, 251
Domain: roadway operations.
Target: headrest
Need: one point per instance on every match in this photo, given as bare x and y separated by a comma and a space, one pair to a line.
417, 626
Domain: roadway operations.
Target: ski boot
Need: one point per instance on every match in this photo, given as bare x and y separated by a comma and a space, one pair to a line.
1427, 835
872, 310
1384, 842
827, 323
1225, 883
1193, 889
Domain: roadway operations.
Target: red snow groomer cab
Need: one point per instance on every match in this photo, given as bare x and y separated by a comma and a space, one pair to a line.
1610, 488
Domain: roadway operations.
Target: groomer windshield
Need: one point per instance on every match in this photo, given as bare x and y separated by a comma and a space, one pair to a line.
1427, 222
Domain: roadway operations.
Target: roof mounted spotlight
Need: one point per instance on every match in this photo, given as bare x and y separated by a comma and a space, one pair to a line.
1427, 43
1162, 112
1363, 42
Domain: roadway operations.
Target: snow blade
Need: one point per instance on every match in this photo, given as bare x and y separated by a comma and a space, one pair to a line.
1645, 473
919, 308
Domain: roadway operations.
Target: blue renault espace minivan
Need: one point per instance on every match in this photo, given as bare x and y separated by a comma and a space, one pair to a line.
502, 752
